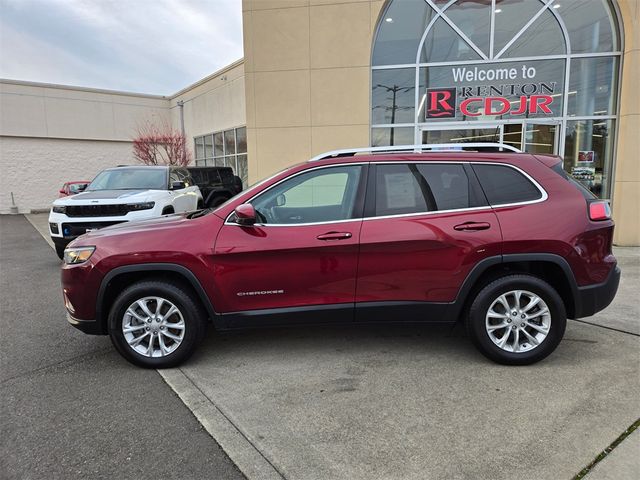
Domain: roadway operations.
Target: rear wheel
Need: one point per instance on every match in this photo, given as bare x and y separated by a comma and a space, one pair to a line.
517, 320
156, 324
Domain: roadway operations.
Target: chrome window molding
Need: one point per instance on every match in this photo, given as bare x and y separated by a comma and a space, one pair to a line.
544, 195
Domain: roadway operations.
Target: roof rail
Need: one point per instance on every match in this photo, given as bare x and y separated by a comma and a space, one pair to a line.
447, 147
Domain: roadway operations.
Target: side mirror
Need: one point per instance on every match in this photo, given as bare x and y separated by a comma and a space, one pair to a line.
281, 200
178, 185
62, 190
245, 214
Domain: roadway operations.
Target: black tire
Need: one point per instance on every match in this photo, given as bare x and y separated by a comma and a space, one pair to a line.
60, 251
477, 330
190, 308
216, 201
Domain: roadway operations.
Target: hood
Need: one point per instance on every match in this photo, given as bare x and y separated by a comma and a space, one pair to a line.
123, 195
153, 225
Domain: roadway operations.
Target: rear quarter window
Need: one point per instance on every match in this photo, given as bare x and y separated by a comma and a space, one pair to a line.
505, 185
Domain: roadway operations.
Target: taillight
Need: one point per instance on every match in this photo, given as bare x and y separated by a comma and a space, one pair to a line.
599, 210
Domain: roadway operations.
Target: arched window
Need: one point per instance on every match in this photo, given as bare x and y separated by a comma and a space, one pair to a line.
541, 75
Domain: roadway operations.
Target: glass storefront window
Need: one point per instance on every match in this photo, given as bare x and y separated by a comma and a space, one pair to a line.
218, 144
543, 37
208, 146
588, 153
241, 140
229, 142
400, 32
393, 96
592, 86
382, 137
590, 25
501, 65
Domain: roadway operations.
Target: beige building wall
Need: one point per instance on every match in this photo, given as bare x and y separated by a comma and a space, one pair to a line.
215, 103
50, 134
307, 78
307, 68
626, 190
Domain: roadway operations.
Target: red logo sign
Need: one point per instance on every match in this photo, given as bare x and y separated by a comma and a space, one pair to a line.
440, 103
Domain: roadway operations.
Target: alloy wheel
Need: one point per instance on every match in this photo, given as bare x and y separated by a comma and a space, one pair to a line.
153, 327
518, 321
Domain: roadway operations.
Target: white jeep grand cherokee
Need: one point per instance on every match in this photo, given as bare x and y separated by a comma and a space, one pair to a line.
122, 194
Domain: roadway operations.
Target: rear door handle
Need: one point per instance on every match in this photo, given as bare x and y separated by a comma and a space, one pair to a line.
472, 226
334, 236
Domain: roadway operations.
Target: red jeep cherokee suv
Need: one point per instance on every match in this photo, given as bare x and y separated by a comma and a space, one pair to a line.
507, 242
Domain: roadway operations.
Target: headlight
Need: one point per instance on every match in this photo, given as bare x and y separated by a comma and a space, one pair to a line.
59, 209
78, 254
134, 207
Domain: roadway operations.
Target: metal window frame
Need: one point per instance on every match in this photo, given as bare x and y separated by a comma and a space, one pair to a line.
617, 29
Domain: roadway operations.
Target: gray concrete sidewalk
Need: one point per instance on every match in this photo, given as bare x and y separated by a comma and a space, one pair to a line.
403, 403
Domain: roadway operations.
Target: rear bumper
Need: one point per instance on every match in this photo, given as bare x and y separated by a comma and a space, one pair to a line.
594, 298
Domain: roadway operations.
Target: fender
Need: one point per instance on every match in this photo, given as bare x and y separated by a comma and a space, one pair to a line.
154, 267
482, 266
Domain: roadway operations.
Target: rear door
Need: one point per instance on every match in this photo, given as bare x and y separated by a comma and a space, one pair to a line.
426, 225
302, 254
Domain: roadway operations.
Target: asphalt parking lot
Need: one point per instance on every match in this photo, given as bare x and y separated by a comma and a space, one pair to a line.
343, 403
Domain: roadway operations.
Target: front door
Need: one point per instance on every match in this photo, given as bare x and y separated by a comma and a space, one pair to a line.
302, 252
426, 225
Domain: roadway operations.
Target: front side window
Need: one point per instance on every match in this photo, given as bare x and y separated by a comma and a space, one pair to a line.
415, 188
323, 195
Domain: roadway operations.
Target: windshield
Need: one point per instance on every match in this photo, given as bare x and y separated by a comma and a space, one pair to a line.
130, 179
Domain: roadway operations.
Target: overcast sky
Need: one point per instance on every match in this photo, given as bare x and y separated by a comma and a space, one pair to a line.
148, 46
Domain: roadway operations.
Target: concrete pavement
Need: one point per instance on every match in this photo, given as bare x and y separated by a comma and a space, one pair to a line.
71, 407
402, 403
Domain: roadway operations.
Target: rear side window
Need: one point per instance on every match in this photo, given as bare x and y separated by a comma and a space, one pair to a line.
504, 185
414, 188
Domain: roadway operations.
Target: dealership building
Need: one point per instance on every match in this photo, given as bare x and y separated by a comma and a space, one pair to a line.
545, 76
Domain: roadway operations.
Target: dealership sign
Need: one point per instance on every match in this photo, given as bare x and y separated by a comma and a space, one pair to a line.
512, 91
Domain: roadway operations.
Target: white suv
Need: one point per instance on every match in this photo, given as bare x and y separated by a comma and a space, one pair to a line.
122, 194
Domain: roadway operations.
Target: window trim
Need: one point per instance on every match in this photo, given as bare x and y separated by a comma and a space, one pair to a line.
543, 198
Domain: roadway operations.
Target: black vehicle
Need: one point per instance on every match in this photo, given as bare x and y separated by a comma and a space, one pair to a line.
217, 184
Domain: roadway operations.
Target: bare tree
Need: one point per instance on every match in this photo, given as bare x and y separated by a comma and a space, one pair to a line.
160, 145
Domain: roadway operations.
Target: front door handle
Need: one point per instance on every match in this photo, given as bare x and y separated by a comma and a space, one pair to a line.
472, 226
334, 236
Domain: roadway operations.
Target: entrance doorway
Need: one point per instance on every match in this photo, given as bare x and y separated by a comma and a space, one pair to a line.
529, 136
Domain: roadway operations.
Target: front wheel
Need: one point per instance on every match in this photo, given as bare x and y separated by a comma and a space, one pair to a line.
517, 320
156, 324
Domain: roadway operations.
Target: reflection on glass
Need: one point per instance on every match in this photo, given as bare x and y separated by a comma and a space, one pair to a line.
243, 169
393, 96
208, 146
218, 144
592, 86
511, 17
512, 135
540, 138
383, 137
543, 37
199, 147
443, 44
400, 30
241, 139
589, 152
474, 20
590, 25
467, 135
229, 142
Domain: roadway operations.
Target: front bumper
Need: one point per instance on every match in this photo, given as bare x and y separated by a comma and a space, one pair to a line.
594, 298
91, 327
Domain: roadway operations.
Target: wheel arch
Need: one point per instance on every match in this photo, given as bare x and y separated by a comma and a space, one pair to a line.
549, 267
118, 278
